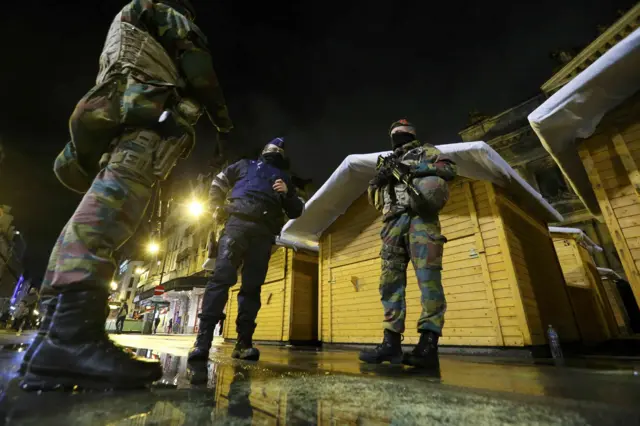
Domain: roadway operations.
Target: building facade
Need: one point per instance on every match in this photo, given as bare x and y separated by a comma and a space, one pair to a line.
178, 264
126, 282
511, 136
12, 250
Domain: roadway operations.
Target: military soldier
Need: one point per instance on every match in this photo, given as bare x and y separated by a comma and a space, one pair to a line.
409, 233
155, 79
259, 194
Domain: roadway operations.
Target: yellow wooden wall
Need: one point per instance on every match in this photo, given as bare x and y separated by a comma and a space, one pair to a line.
273, 318
304, 308
619, 311
288, 303
611, 158
486, 304
539, 276
571, 261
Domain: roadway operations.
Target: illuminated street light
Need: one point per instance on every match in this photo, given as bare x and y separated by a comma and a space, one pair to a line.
153, 248
139, 270
196, 208
114, 285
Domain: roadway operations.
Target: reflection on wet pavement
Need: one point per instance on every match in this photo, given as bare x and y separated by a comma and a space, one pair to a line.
305, 387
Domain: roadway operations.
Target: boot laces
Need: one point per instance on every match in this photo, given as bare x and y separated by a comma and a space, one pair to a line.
386, 343
425, 346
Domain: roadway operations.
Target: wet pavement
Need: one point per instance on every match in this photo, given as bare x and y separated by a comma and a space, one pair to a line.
307, 387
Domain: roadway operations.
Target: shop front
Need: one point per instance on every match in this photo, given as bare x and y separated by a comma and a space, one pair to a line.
178, 306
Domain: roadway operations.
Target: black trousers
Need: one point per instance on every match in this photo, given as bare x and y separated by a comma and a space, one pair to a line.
245, 244
120, 324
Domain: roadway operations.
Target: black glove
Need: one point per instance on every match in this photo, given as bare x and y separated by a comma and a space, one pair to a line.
381, 179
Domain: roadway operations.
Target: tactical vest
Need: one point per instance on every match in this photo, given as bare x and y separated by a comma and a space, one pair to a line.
128, 49
399, 199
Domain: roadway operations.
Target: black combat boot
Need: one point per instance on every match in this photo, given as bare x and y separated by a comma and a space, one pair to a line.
425, 354
78, 352
202, 346
389, 350
48, 307
244, 348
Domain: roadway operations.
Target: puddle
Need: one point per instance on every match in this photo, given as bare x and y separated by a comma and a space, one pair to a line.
227, 391
20, 347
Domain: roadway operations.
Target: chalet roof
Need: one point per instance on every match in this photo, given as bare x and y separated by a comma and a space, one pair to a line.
576, 110
475, 160
609, 38
580, 236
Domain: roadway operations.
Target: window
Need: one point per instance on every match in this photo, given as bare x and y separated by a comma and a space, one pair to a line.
128, 295
131, 282
551, 182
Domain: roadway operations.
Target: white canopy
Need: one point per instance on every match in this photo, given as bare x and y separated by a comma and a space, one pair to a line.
475, 160
609, 273
576, 110
580, 236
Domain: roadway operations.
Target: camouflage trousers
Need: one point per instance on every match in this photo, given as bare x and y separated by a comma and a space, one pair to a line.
410, 237
108, 215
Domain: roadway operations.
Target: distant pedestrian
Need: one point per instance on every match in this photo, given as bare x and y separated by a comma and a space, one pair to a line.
170, 325
20, 317
122, 314
157, 323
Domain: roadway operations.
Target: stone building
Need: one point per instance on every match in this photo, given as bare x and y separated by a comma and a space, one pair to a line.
12, 250
511, 136
126, 282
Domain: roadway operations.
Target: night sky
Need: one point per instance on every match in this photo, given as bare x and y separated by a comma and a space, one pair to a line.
329, 76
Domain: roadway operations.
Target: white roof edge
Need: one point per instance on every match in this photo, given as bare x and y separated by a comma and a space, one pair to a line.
475, 160
611, 272
297, 244
579, 232
575, 111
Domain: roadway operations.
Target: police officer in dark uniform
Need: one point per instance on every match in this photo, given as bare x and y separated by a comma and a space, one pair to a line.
259, 193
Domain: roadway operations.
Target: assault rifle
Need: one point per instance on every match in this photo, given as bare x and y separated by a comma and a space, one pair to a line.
391, 165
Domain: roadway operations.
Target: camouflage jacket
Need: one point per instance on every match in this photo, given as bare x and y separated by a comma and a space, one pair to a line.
187, 47
391, 198
154, 59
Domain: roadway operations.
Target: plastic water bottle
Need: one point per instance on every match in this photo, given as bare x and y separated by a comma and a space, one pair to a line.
554, 343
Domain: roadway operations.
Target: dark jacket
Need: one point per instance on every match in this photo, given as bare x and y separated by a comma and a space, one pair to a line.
248, 188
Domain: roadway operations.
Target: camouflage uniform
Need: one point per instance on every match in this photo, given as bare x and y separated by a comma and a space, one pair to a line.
120, 115
408, 236
156, 78
411, 231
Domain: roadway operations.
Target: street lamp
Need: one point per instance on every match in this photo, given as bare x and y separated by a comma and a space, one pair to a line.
153, 248
196, 208
114, 285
